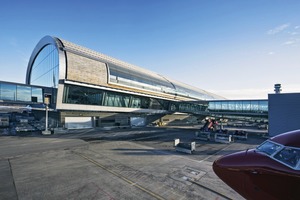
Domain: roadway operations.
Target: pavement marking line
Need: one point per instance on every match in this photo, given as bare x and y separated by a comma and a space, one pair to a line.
13, 179
211, 190
214, 153
120, 176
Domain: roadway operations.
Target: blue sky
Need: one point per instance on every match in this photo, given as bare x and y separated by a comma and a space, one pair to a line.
235, 48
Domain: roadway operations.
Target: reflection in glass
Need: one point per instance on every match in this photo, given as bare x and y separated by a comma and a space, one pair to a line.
289, 156
136, 102
15, 92
218, 105
8, 92
44, 71
37, 93
134, 78
231, 106
268, 147
263, 106
246, 105
211, 105
253, 106
23, 93
224, 105
82, 95
91, 96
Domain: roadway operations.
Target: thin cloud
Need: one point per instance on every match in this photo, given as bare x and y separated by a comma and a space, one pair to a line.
271, 53
278, 29
293, 33
290, 42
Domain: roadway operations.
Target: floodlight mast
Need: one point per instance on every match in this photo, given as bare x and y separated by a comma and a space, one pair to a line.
46, 101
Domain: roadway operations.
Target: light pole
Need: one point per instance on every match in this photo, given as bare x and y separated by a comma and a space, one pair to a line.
47, 101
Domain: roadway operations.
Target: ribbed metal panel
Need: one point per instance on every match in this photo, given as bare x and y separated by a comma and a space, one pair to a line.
284, 113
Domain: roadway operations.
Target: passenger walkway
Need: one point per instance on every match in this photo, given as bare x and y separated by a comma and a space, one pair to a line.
257, 108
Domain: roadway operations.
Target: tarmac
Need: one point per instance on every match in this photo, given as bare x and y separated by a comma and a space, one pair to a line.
133, 163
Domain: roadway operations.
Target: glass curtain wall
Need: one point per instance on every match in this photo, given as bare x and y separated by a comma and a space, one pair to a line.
23, 93
44, 71
91, 96
36, 94
15, 92
136, 79
254, 106
8, 92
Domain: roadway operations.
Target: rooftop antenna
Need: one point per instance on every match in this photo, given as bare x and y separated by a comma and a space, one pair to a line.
277, 88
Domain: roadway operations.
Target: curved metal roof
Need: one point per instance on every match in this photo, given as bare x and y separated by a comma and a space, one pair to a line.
179, 88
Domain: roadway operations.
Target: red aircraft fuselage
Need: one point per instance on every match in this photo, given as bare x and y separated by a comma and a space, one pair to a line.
271, 171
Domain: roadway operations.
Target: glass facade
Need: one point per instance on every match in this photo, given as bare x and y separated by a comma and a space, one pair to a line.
133, 78
23, 93
15, 92
91, 96
192, 93
244, 106
138, 80
36, 94
8, 92
44, 71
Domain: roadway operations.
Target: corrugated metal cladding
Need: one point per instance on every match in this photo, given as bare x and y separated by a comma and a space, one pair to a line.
284, 113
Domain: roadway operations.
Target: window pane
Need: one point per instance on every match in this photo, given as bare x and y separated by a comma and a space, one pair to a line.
239, 106
136, 102
246, 106
263, 106
231, 106
37, 93
289, 156
44, 71
110, 99
82, 95
218, 106
8, 92
148, 81
23, 93
224, 105
268, 147
254, 106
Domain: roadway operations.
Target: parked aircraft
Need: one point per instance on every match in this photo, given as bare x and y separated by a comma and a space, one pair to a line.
271, 171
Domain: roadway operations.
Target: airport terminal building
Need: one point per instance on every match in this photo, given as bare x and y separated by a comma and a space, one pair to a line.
91, 89
87, 89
